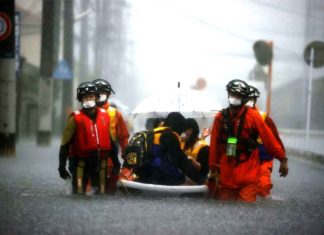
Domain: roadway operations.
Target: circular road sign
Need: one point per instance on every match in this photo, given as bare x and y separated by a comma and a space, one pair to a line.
262, 52
5, 26
318, 47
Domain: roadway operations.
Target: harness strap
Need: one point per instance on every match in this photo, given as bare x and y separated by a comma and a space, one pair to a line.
239, 133
230, 130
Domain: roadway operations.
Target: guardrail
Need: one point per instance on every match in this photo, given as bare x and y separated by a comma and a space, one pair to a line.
287, 131
296, 139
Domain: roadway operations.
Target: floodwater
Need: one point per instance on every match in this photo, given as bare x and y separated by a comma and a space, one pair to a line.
34, 200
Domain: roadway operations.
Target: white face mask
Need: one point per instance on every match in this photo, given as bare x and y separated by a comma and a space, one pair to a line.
103, 97
234, 101
88, 104
250, 103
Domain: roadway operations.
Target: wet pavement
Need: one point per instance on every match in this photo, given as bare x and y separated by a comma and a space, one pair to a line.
33, 200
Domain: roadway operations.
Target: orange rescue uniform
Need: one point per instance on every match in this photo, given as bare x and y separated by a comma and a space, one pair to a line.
239, 176
118, 128
96, 133
266, 165
119, 134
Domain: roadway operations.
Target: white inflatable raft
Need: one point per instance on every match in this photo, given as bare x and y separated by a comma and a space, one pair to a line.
185, 189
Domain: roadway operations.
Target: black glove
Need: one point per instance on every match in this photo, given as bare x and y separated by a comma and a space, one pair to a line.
64, 174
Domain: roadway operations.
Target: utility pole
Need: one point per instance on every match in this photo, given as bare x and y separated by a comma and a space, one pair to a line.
269, 85
84, 42
46, 68
263, 52
7, 78
99, 38
68, 56
314, 57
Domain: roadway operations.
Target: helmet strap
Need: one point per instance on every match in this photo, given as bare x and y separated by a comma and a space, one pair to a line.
101, 103
91, 112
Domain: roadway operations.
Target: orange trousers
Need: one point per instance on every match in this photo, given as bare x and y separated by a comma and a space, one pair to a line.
264, 181
246, 193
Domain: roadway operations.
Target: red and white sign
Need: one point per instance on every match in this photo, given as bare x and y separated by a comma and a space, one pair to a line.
5, 26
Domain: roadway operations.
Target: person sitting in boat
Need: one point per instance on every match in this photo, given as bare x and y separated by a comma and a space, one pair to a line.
169, 164
197, 149
152, 123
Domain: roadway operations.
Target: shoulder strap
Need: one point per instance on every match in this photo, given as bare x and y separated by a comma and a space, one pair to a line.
241, 124
226, 120
112, 111
239, 132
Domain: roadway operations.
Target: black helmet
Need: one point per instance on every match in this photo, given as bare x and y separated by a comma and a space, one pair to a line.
103, 85
254, 92
87, 88
238, 87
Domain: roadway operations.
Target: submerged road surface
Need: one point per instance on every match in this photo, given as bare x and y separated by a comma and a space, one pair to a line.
33, 200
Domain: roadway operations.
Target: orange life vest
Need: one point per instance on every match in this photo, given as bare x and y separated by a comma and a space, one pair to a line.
89, 135
264, 116
112, 115
193, 152
264, 156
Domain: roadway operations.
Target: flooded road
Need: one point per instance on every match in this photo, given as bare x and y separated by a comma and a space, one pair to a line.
33, 200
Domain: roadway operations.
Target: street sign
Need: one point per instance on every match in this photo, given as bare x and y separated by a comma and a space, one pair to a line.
7, 36
263, 52
17, 40
318, 60
5, 26
63, 71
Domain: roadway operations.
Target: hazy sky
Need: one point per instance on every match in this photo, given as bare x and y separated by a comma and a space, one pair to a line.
181, 40
178, 40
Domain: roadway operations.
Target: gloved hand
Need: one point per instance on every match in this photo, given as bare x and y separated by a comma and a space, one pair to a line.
212, 182
64, 174
63, 154
283, 168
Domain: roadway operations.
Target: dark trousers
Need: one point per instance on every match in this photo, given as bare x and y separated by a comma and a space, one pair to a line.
88, 169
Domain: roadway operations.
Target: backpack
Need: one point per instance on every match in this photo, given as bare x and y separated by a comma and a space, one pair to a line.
139, 149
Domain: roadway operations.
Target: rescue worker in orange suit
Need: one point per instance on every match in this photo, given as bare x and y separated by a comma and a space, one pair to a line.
266, 160
233, 156
118, 129
86, 141
197, 149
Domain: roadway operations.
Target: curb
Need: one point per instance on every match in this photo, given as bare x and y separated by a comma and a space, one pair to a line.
307, 155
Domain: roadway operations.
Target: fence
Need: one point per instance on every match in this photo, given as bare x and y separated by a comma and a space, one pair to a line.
295, 139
